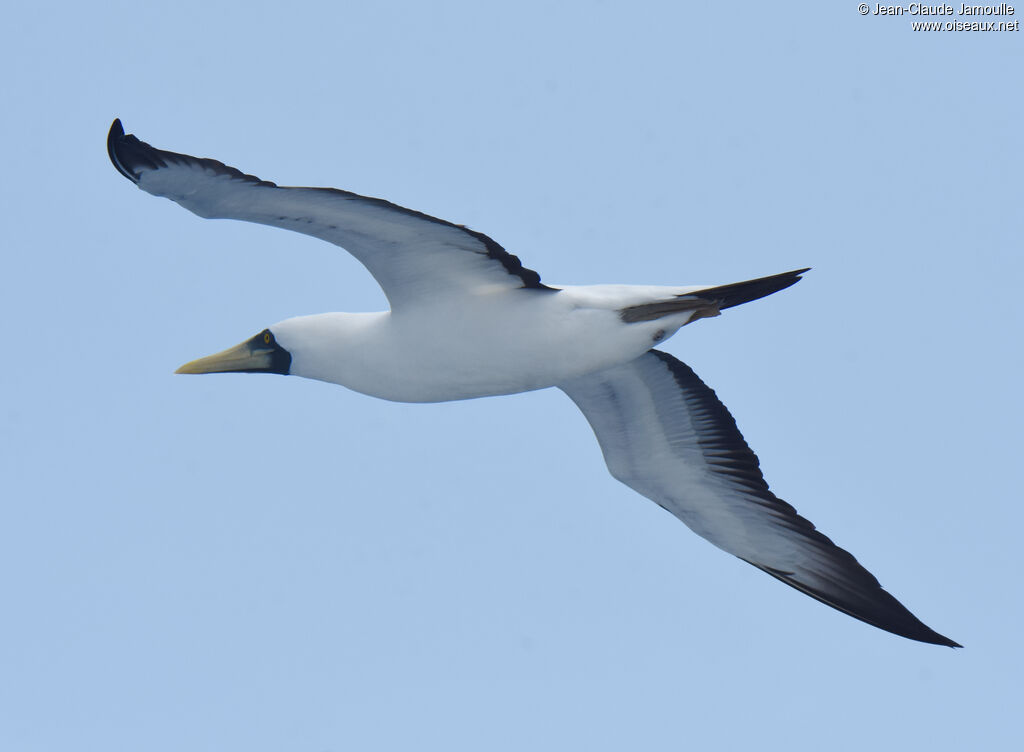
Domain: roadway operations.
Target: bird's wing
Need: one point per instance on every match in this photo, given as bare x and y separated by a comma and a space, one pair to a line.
665, 434
414, 257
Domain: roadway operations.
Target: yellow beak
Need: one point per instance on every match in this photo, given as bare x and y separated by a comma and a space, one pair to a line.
252, 356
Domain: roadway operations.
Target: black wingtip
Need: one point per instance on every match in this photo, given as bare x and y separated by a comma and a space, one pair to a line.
875, 606
930, 636
934, 638
131, 156
115, 138
938, 639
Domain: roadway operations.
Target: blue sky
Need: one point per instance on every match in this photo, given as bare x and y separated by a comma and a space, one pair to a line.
265, 563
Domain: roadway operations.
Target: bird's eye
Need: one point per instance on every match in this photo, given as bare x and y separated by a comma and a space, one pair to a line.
266, 338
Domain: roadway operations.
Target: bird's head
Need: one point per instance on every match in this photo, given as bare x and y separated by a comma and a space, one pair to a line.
259, 354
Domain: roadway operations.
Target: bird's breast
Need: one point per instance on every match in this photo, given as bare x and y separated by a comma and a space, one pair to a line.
465, 351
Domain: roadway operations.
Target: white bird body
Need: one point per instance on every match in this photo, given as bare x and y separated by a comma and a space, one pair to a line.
493, 343
467, 320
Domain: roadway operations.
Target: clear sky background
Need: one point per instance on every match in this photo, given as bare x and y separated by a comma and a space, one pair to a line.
263, 563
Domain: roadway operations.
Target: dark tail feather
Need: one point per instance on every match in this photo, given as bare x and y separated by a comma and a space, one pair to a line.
744, 292
713, 299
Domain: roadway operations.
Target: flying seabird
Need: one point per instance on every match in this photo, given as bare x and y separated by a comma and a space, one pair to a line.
467, 320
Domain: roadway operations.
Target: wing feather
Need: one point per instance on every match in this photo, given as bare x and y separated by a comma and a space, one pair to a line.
665, 434
414, 257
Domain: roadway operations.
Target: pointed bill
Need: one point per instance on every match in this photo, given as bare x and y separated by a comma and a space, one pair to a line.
260, 354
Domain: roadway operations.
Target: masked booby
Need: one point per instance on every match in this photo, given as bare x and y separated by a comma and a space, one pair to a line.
467, 320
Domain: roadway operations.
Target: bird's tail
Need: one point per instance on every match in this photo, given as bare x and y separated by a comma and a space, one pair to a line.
710, 300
